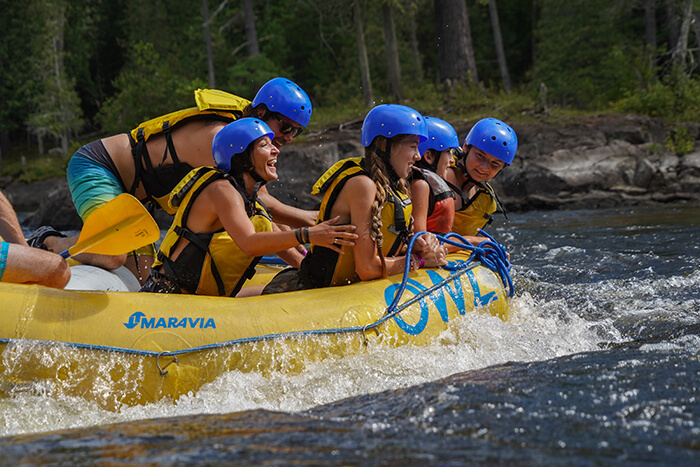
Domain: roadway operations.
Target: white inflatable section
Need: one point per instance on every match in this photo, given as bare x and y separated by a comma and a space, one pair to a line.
85, 277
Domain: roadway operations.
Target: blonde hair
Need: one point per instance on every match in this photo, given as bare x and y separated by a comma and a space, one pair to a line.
379, 172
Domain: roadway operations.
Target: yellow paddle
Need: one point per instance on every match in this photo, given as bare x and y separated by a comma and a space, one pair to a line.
118, 227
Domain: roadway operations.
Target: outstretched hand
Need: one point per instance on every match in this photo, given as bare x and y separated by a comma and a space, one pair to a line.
332, 236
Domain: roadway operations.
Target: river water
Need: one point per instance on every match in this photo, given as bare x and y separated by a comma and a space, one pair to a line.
598, 365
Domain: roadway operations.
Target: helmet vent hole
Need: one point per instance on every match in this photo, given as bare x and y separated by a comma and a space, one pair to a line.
493, 138
505, 144
302, 107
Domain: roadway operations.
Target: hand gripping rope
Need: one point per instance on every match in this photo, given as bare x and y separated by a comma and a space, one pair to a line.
490, 253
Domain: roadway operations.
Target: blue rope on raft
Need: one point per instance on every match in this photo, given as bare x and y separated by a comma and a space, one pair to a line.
489, 253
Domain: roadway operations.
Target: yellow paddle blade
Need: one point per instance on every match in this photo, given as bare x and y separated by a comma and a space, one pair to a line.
116, 228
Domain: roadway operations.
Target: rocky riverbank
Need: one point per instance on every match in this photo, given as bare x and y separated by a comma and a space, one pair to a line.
592, 162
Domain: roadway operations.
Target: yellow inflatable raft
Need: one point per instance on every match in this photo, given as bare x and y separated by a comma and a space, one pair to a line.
133, 348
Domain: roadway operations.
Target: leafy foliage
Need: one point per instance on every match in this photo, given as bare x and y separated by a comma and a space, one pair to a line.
56, 107
581, 52
126, 61
146, 89
676, 98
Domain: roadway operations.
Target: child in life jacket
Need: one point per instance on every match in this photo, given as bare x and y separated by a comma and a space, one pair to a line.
370, 192
488, 148
221, 229
433, 199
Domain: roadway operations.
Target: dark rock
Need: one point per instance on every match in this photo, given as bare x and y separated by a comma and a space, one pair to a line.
584, 163
56, 209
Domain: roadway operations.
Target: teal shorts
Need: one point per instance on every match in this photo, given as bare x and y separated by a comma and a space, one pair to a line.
91, 184
4, 248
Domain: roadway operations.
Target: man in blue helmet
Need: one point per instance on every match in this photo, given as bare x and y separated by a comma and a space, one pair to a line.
150, 161
488, 148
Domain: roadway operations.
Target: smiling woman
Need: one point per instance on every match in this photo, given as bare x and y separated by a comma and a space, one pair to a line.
371, 193
221, 229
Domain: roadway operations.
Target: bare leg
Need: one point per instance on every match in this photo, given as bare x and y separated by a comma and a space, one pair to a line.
60, 244
251, 291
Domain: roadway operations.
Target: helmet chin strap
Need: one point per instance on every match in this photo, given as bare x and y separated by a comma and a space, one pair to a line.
256, 176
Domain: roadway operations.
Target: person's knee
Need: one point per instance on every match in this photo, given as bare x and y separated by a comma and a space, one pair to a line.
113, 262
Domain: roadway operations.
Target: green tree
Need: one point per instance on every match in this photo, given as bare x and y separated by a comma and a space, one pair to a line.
56, 107
585, 50
17, 83
146, 88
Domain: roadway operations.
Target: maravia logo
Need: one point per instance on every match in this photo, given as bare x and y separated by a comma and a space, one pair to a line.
139, 318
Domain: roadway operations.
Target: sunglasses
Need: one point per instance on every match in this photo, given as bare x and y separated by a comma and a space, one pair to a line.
286, 128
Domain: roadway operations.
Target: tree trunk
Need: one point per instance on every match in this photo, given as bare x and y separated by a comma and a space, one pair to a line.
251, 34
59, 17
533, 28
362, 54
456, 62
498, 42
650, 23
696, 28
393, 67
680, 52
417, 62
40, 144
672, 23
4, 144
207, 39
57, 111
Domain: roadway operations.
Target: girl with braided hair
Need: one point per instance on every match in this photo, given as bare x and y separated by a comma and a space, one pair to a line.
371, 193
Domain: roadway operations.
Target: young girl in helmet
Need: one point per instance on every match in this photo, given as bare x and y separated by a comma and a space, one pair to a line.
221, 229
488, 148
433, 199
369, 192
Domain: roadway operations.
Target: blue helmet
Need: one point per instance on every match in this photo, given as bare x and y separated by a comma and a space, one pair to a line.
235, 137
391, 120
494, 137
441, 136
285, 97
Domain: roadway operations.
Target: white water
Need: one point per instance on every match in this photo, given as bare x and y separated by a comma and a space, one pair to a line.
536, 331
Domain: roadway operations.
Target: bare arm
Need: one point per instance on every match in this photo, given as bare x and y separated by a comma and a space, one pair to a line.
10, 229
420, 198
227, 209
285, 214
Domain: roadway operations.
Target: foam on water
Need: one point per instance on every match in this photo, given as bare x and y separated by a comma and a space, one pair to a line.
537, 331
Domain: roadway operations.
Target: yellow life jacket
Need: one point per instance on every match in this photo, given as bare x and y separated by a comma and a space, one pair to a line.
475, 212
212, 104
212, 263
324, 267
